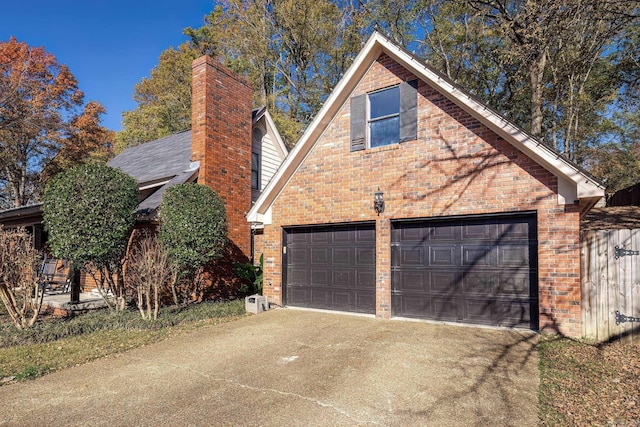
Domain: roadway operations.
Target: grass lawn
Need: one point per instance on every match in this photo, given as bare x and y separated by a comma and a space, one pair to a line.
589, 385
56, 343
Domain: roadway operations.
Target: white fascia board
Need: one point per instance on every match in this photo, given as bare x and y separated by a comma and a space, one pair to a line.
257, 219
153, 184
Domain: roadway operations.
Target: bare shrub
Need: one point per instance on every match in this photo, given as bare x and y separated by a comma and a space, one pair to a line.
19, 290
148, 271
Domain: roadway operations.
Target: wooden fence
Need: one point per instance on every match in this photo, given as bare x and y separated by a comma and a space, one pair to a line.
610, 284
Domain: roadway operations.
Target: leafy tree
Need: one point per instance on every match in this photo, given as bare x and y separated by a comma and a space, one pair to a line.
548, 65
38, 102
556, 68
164, 100
293, 52
193, 231
88, 141
19, 290
617, 162
88, 212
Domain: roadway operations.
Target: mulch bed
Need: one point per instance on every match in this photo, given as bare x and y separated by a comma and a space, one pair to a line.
590, 385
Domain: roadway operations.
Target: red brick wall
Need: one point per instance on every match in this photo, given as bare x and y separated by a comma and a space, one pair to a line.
258, 245
221, 141
456, 166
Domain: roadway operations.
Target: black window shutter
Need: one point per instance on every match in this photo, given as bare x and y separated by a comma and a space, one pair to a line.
408, 110
358, 122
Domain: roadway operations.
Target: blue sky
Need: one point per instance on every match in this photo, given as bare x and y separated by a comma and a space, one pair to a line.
109, 45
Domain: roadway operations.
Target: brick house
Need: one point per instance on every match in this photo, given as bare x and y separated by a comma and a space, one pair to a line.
480, 222
231, 147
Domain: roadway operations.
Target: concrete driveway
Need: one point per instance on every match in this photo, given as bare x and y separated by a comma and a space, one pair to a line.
297, 368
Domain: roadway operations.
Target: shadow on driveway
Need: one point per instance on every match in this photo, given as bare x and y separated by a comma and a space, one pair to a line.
290, 367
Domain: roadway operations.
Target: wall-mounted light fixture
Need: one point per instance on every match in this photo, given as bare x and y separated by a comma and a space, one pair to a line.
378, 201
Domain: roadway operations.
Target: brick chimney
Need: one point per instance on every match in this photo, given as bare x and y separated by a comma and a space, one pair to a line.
221, 141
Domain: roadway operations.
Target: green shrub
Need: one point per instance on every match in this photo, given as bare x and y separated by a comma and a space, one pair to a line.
250, 273
88, 212
193, 225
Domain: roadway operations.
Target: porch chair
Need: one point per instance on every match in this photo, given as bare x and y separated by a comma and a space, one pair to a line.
55, 275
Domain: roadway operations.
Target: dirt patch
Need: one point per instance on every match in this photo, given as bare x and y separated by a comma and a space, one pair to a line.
583, 384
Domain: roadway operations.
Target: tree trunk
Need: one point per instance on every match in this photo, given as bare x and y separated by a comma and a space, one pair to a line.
536, 74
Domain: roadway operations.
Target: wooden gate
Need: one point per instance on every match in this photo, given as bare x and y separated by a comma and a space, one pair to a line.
610, 284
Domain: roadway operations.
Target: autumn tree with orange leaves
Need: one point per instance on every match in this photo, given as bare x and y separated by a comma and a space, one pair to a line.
40, 128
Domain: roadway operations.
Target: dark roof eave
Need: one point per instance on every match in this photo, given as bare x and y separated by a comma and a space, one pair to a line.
21, 212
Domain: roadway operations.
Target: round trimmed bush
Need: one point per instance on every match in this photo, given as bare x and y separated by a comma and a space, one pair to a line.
88, 212
193, 225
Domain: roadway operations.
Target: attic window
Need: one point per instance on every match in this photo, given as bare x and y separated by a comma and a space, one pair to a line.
257, 134
384, 117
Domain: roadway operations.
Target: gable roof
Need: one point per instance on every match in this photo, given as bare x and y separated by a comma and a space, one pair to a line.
279, 144
573, 184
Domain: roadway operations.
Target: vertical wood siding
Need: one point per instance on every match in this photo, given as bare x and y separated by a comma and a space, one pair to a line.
610, 284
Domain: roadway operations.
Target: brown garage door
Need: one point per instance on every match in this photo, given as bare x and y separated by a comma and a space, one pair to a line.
331, 267
474, 270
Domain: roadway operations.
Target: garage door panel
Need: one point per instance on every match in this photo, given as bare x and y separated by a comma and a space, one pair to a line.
331, 267
344, 278
365, 257
442, 256
515, 282
411, 255
296, 294
342, 299
366, 235
443, 233
496, 283
344, 256
513, 231
509, 313
445, 308
302, 256
478, 311
410, 280
320, 256
296, 275
483, 283
320, 236
297, 236
320, 277
474, 256
478, 270
479, 232
516, 314
412, 305
321, 297
342, 236
408, 234
442, 282
364, 279
365, 302
513, 255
